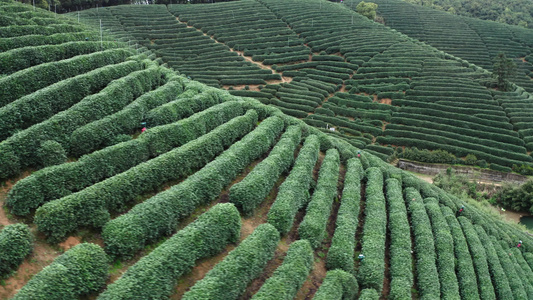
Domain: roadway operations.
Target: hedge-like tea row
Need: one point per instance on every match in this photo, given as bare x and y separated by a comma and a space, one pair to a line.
293, 194
449, 287
341, 252
37, 77
17, 59
426, 269
479, 257
160, 214
369, 294
515, 283
91, 206
20, 149
43, 104
513, 255
400, 246
372, 268
338, 285
59, 181
88, 138
313, 226
499, 278
209, 234
16, 242
37, 40
528, 273
252, 190
289, 277
466, 275
229, 278
79, 271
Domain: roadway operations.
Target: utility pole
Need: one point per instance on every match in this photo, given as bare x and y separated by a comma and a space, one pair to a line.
101, 36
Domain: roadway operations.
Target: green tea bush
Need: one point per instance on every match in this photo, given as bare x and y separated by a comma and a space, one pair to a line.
79, 271
23, 146
91, 206
313, 226
466, 275
372, 268
426, 269
289, 277
252, 190
449, 287
400, 247
293, 194
62, 180
209, 234
369, 294
338, 285
51, 153
499, 278
229, 278
160, 214
477, 249
16, 242
341, 252
37, 77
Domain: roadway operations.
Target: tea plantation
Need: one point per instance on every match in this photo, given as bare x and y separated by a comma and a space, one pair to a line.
134, 130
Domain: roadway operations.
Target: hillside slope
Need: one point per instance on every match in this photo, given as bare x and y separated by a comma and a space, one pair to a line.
221, 197
333, 68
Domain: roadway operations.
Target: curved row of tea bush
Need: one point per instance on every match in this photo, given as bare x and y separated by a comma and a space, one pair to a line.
341, 252
208, 235
16, 242
60, 181
151, 219
252, 190
337, 285
229, 278
91, 206
372, 268
400, 246
289, 277
313, 226
79, 271
293, 193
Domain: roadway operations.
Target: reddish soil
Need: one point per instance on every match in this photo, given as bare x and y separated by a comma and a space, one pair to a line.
69, 243
387, 101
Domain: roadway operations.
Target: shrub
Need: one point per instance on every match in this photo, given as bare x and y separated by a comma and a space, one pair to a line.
160, 214
372, 268
426, 270
229, 278
341, 252
468, 287
369, 294
51, 153
113, 97
449, 286
91, 206
252, 190
293, 194
79, 271
59, 181
205, 237
499, 278
16, 242
470, 159
338, 285
400, 247
289, 277
477, 249
313, 226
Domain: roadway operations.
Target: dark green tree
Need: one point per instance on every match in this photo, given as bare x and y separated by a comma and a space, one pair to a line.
367, 9
502, 70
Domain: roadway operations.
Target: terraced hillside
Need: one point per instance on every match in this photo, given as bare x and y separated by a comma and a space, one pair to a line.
194, 193
321, 62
